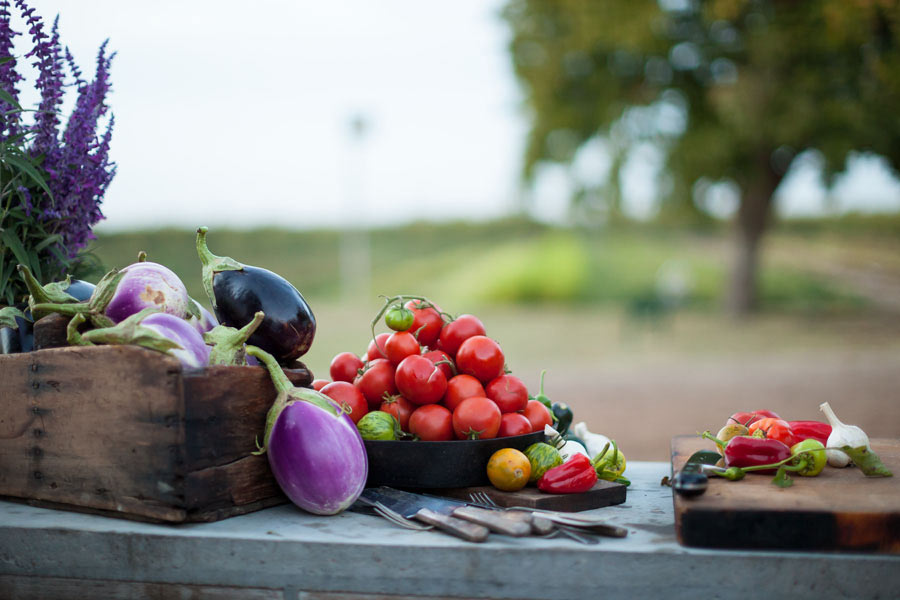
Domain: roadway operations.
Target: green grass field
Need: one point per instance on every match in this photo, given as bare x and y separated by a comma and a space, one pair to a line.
583, 306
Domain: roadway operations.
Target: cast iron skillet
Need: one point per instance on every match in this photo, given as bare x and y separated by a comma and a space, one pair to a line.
460, 463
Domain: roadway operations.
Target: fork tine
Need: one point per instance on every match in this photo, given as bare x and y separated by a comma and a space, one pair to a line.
398, 519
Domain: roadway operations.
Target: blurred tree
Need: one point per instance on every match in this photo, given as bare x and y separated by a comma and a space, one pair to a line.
728, 90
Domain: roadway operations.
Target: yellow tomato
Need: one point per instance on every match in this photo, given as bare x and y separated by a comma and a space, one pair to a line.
508, 469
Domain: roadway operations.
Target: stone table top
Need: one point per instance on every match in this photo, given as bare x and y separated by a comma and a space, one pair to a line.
283, 552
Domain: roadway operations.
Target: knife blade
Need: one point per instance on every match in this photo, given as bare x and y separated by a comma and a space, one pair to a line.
426, 513
691, 480
496, 521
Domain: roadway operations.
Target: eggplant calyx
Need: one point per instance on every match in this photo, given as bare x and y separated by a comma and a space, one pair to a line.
51, 293
228, 343
130, 331
212, 264
287, 394
8, 316
73, 337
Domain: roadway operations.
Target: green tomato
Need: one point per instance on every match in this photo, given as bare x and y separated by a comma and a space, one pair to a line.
399, 318
812, 452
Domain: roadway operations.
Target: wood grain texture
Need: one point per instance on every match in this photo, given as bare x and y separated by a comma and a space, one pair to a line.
841, 509
604, 493
126, 431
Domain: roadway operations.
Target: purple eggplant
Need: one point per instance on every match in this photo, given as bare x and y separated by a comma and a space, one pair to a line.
193, 352
206, 321
237, 292
148, 328
314, 449
145, 285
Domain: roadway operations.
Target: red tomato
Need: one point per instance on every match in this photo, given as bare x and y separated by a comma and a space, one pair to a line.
481, 357
538, 415
345, 393
345, 367
431, 423
427, 323
508, 392
400, 407
376, 347
461, 387
376, 380
457, 331
399, 345
318, 384
513, 424
438, 356
476, 418
420, 381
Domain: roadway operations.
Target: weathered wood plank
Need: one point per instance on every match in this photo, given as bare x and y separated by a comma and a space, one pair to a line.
225, 412
84, 426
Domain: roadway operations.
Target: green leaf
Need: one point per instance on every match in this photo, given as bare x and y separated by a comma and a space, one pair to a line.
8, 316
705, 457
14, 244
24, 165
6, 59
47, 241
867, 461
7, 97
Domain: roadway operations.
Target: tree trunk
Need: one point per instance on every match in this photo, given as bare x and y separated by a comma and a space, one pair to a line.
752, 220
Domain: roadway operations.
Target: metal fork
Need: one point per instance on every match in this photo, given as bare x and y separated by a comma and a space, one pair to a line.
554, 515
398, 519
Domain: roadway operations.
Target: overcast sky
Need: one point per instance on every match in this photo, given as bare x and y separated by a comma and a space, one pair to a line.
238, 113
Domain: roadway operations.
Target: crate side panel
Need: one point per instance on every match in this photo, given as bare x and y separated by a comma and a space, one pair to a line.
98, 427
225, 412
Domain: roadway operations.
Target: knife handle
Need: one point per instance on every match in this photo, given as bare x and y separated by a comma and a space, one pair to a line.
494, 520
541, 525
471, 532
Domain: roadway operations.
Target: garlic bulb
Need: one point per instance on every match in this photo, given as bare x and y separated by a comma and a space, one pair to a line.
593, 442
841, 435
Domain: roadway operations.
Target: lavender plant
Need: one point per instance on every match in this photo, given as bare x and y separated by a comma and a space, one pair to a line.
54, 172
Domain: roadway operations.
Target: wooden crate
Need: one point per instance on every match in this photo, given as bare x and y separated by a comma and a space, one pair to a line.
127, 432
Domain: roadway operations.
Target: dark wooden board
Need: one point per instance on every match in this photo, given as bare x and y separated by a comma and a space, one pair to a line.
126, 431
604, 493
839, 510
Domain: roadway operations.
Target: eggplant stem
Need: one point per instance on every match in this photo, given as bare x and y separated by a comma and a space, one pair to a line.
279, 379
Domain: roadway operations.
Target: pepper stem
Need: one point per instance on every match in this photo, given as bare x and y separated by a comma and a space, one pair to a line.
212, 264
709, 436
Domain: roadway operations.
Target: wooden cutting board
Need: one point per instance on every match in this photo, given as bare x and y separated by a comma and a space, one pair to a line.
604, 493
841, 509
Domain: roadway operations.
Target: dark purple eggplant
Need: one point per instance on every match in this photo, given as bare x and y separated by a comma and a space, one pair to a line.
19, 338
80, 290
237, 292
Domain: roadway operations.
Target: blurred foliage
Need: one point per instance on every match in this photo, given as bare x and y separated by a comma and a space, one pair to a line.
727, 91
498, 263
727, 88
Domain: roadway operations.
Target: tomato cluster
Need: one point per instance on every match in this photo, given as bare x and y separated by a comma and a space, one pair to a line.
441, 378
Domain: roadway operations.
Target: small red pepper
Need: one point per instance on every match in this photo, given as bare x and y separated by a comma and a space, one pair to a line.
775, 429
573, 476
745, 451
804, 430
746, 418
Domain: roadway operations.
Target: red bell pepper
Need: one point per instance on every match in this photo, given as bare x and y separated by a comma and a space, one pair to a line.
804, 430
775, 429
573, 476
745, 451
